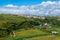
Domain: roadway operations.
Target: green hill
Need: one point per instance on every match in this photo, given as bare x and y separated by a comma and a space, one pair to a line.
24, 27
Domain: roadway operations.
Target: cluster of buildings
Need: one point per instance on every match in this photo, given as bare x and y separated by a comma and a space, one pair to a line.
32, 16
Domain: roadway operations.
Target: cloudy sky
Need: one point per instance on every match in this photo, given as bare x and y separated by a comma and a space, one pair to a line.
32, 7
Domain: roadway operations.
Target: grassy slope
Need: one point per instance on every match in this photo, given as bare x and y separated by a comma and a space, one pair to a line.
26, 34
30, 32
51, 37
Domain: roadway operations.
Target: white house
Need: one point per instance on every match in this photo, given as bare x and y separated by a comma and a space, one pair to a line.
54, 32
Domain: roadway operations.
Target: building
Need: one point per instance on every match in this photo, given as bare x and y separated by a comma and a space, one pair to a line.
54, 32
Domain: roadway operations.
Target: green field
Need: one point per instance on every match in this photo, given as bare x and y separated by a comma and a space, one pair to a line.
51, 37
26, 34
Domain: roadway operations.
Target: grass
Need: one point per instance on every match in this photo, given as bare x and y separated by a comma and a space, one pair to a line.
30, 33
21, 35
51, 37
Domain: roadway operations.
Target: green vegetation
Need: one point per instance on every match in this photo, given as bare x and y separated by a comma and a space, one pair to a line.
14, 27
51, 37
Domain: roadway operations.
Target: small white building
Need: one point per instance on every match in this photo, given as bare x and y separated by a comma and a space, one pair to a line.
54, 32
45, 24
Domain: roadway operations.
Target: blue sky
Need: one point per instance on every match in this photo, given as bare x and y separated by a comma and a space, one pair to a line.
34, 7
22, 2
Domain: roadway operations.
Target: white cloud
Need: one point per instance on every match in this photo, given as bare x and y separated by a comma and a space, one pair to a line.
10, 5
48, 2
44, 8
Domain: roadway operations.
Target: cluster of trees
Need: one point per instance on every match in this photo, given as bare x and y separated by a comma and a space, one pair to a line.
14, 22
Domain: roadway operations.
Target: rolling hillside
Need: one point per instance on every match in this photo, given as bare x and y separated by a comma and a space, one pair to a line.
14, 27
